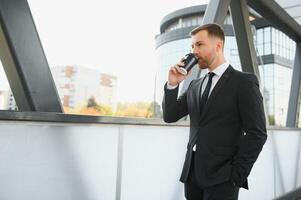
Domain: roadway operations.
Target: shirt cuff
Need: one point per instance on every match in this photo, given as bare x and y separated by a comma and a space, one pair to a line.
171, 87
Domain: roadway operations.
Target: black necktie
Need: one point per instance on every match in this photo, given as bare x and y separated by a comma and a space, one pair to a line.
206, 92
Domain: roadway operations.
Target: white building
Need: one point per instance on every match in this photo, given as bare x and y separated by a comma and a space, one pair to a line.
3, 100
7, 101
76, 84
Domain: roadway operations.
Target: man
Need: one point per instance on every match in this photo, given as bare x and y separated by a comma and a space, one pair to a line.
227, 129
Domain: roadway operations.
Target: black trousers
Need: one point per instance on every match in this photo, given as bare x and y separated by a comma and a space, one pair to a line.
222, 191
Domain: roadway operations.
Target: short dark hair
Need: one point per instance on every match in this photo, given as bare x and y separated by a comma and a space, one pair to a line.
212, 29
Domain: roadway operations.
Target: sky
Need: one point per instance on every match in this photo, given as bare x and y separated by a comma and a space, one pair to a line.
116, 37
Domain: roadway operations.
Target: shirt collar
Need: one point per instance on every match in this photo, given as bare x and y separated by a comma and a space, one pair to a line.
219, 70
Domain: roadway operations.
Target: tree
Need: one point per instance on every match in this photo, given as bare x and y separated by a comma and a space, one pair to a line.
93, 108
91, 103
135, 109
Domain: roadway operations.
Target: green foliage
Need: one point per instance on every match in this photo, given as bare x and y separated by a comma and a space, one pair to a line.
271, 120
124, 109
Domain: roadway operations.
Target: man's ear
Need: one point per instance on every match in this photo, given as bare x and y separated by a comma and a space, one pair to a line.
219, 45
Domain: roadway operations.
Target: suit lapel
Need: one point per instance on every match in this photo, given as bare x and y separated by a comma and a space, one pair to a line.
216, 89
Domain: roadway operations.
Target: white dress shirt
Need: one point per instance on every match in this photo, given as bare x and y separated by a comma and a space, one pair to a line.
218, 71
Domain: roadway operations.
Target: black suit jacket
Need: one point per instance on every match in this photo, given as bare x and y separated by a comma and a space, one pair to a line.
230, 132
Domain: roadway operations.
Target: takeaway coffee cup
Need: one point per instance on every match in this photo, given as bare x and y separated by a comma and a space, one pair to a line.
189, 61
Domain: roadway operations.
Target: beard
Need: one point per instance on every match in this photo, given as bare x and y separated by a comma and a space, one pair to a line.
207, 61
202, 64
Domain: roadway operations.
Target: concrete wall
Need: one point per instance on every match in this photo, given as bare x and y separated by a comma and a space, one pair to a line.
73, 161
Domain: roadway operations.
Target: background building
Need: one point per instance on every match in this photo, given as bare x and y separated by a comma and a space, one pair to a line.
275, 53
7, 101
77, 84
3, 99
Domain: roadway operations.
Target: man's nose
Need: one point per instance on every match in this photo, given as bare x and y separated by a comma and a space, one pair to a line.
194, 51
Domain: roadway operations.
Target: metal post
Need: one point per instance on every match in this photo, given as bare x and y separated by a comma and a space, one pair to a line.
24, 60
293, 105
244, 37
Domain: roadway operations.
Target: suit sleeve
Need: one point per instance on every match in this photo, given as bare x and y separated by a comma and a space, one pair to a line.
250, 104
174, 108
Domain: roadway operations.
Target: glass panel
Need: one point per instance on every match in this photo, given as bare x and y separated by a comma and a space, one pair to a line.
260, 49
267, 34
276, 86
283, 76
231, 52
106, 51
259, 37
273, 48
273, 41
267, 48
7, 101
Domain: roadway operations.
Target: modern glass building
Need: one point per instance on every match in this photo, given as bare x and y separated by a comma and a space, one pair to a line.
275, 54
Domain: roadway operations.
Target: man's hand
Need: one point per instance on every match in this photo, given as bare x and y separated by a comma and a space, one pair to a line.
174, 76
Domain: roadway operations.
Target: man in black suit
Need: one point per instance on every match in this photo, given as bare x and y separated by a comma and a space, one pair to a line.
227, 120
